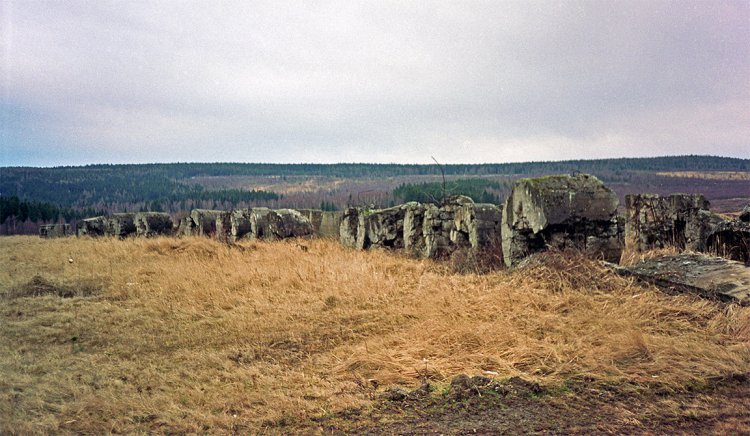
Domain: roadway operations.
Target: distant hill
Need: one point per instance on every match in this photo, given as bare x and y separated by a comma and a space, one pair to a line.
181, 186
187, 170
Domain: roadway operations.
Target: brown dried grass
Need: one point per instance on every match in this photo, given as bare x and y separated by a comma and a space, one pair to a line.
190, 335
631, 255
708, 175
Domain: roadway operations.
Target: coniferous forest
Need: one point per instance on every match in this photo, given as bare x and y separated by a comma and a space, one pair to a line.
41, 195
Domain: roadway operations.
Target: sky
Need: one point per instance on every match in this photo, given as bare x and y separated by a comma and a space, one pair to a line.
85, 82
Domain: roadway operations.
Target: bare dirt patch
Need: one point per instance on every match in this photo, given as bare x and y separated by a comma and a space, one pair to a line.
516, 406
39, 286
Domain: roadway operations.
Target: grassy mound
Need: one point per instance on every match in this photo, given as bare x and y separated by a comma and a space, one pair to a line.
190, 335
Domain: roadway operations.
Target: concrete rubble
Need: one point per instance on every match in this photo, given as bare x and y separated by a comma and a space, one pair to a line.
325, 223
120, 225
423, 230
707, 276
54, 230
565, 211
150, 224
678, 220
685, 222
94, 227
562, 211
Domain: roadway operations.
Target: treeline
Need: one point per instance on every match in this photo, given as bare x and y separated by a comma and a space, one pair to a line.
174, 187
80, 187
146, 174
37, 211
480, 190
357, 170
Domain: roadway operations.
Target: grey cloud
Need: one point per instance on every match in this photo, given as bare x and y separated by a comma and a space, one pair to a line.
375, 81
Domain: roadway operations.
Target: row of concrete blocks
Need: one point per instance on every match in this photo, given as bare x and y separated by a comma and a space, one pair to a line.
250, 223
562, 211
423, 230
121, 225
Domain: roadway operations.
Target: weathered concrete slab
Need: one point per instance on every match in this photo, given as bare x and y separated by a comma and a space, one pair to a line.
94, 227
678, 220
240, 224
121, 225
562, 211
287, 223
150, 224
325, 223
204, 221
224, 226
708, 276
54, 230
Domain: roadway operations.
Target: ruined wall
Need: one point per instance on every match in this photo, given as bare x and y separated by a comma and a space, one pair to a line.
325, 223
349, 227
679, 220
287, 223
685, 222
224, 226
120, 225
423, 230
562, 211
92, 227
204, 221
54, 230
150, 224
240, 224
731, 240
258, 223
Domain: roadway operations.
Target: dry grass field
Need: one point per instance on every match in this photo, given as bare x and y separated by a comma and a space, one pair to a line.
190, 335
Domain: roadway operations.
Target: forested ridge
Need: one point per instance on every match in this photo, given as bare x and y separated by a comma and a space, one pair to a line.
88, 185
49, 194
91, 185
36, 211
177, 171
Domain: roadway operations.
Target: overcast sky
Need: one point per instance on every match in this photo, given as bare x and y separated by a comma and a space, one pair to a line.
349, 81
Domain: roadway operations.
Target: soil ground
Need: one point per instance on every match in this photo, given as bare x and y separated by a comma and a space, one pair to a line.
583, 407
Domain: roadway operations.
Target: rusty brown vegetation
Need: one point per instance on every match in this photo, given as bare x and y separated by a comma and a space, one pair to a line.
191, 335
708, 175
